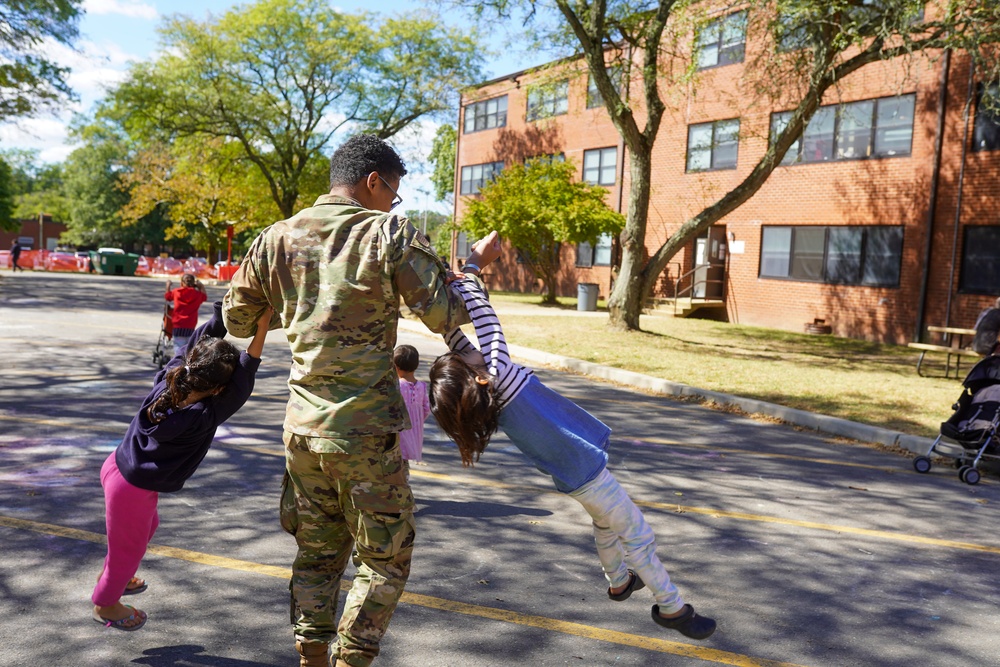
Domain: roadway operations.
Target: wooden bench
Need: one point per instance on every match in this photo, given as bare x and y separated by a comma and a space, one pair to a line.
950, 352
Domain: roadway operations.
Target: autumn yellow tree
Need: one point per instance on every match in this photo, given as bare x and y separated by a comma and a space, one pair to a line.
202, 186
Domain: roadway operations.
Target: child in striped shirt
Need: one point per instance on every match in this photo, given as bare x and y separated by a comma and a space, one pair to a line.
476, 390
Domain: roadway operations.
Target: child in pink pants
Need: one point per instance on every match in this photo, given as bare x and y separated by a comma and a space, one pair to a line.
165, 443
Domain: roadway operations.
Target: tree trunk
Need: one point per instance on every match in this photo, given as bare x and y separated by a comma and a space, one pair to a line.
625, 302
546, 271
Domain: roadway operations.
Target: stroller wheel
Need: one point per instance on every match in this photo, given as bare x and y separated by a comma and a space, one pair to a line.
922, 464
970, 475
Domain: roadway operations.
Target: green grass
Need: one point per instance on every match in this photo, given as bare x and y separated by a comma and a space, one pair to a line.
862, 381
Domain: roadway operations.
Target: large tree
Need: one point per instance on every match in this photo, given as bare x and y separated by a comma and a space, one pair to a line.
7, 223
37, 188
538, 206
442, 158
281, 77
30, 82
202, 187
92, 183
813, 45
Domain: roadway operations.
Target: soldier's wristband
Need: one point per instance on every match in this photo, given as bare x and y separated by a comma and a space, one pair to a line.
471, 266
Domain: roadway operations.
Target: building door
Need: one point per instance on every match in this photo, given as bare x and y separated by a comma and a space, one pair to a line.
700, 267
716, 287
710, 264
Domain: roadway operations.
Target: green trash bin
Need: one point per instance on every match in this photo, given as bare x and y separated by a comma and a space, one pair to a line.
114, 262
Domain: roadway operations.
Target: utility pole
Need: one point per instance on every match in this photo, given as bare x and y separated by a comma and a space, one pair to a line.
426, 195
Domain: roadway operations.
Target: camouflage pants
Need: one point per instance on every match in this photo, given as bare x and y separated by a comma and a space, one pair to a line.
334, 502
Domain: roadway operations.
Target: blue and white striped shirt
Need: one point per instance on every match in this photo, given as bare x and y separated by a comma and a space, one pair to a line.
508, 378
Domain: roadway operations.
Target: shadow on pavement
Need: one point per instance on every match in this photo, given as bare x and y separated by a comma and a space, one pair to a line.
190, 654
477, 510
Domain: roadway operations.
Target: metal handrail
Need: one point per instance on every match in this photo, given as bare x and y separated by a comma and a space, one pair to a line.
690, 288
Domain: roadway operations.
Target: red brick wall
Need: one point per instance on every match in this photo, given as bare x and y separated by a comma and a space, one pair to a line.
890, 191
29, 228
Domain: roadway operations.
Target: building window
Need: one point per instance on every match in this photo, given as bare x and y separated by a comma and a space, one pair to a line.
462, 246
548, 100
879, 11
842, 255
594, 97
713, 145
475, 176
779, 121
986, 132
600, 166
894, 125
486, 115
588, 254
858, 130
791, 33
548, 158
981, 260
722, 42
602, 251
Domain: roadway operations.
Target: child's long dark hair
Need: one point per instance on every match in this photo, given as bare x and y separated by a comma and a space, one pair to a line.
208, 365
464, 407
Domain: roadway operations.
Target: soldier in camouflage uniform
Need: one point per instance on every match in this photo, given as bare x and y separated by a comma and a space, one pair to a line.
334, 274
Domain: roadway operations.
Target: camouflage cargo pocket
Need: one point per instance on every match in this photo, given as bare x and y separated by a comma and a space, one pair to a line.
383, 535
288, 510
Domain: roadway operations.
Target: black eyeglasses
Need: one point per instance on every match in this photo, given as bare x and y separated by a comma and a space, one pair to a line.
396, 199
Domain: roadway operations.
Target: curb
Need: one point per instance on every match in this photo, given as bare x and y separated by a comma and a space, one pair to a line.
824, 423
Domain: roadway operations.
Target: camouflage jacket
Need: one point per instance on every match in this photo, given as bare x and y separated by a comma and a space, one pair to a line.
334, 274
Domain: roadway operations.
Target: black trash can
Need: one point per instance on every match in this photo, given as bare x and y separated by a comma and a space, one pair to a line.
586, 296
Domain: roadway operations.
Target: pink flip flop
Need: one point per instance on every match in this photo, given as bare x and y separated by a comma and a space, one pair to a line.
120, 624
137, 589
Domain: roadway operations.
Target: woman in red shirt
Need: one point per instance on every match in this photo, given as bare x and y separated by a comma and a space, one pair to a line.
187, 299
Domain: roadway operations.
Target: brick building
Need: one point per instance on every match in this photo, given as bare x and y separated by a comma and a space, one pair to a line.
35, 234
843, 231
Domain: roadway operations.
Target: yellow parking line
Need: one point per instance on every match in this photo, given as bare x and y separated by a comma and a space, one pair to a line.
420, 600
744, 516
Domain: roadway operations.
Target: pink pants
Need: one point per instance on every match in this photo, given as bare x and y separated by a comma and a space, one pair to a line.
131, 520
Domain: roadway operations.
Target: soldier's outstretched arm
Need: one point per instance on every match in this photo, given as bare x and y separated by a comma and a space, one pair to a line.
246, 300
421, 279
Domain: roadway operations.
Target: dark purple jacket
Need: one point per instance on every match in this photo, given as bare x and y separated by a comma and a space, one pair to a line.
161, 457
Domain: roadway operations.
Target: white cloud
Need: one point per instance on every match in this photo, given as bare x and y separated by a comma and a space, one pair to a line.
130, 8
94, 66
46, 135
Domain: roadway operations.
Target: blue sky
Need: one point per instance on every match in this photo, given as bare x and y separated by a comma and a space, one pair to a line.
116, 32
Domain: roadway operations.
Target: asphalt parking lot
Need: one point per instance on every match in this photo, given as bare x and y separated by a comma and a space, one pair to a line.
807, 549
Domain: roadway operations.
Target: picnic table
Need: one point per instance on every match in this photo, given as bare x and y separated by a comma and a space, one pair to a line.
948, 332
955, 339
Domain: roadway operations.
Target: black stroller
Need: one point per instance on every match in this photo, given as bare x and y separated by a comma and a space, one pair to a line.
164, 350
972, 434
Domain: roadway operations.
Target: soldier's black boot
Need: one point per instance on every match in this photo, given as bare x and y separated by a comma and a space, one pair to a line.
313, 654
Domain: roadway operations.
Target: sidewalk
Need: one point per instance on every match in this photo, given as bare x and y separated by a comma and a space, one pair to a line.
823, 423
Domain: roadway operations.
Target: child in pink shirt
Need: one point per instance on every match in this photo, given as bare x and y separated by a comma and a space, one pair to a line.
411, 441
